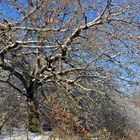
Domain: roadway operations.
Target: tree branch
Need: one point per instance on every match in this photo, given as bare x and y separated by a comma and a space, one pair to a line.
28, 15
13, 86
16, 73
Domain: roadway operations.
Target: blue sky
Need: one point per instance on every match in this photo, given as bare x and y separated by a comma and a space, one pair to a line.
9, 13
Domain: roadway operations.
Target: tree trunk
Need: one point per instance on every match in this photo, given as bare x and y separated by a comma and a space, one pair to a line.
33, 117
33, 109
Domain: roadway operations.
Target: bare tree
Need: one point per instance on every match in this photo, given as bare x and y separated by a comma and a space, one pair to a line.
78, 48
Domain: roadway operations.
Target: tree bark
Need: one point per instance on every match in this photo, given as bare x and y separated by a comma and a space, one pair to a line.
33, 109
33, 117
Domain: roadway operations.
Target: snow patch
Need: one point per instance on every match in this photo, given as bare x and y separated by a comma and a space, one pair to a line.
24, 136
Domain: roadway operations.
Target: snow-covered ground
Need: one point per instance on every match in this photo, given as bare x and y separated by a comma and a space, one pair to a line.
20, 135
24, 136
